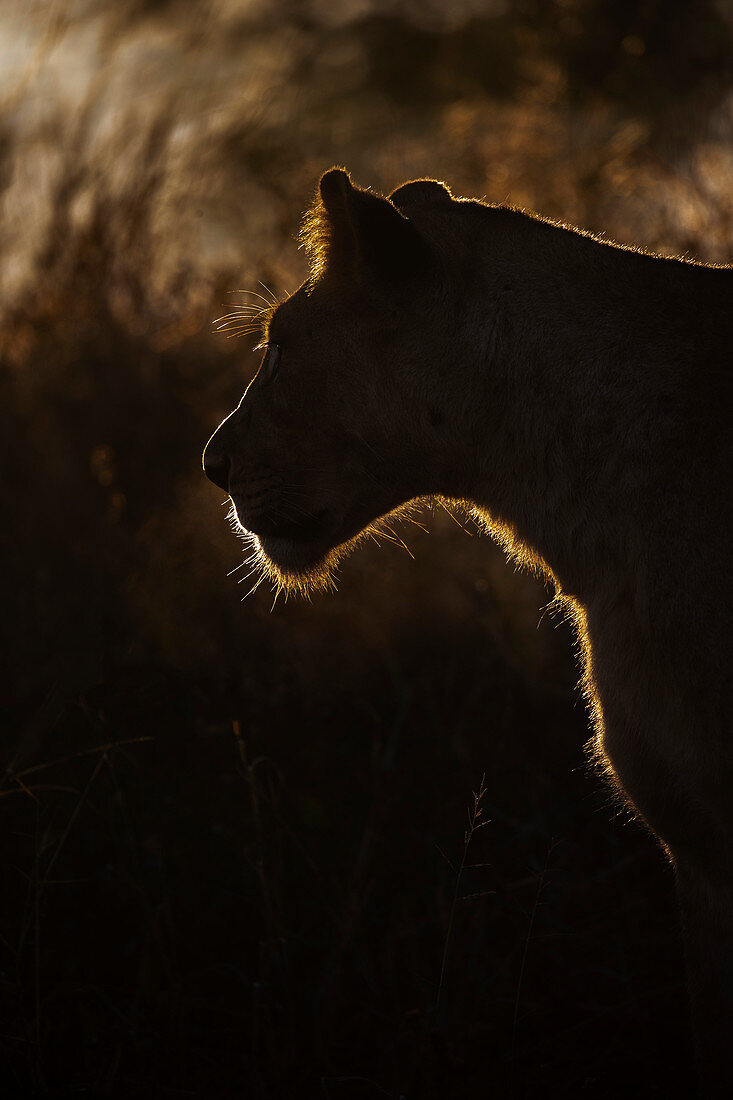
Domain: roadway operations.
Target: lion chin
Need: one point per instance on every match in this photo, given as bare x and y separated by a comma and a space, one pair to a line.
303, 566
290, 556
292, 563
302, 557
298, 568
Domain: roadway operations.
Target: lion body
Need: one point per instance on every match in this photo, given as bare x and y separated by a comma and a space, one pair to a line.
578, 395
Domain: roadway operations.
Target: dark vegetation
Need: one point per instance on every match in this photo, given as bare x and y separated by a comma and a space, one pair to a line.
231, 839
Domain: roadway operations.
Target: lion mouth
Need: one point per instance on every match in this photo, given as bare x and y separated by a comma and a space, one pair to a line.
292, 545
304, 550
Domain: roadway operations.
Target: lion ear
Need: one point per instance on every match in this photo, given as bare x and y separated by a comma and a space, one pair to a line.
421, 191
369, 232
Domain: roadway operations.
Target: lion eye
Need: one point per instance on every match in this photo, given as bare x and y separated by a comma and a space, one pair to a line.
270, 363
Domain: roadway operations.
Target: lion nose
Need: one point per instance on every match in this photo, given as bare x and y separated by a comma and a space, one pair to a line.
216, 467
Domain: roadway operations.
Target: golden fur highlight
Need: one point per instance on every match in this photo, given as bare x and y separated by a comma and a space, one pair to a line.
323, 576
524, 557
316, 237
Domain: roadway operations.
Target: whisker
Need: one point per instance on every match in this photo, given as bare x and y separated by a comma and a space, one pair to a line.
456, 521
254, 588
268, 303
416, 523
396, 538
248, 575
238, 319
391, 538
236, 569
234, 322
253, 308
275, 299
241, 332
244, 307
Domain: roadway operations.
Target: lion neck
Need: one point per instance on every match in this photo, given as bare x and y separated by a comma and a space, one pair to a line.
579, 345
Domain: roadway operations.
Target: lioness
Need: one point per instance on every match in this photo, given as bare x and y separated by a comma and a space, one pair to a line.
578, 396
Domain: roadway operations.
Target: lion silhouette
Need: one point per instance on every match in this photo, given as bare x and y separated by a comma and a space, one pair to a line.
578, 396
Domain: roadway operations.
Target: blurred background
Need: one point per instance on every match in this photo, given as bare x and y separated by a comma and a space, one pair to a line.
236, 856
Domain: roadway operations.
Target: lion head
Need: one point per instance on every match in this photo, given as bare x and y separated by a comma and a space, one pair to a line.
353, 412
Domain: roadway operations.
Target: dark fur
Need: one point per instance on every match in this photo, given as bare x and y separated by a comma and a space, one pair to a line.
584, 394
